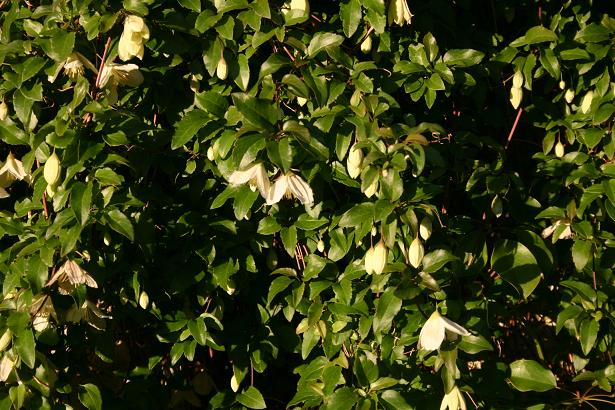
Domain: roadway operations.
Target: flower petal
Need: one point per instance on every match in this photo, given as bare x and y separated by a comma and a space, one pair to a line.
454, 327
300, 189
432, 333
242, 176
276, 192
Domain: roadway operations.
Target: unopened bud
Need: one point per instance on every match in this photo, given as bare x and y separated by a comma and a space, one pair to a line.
301, 101
516, 95
497, 206
107, 239
51, 171
586, 103
416, 252
50, 190
210, 154
320, 246
562, 84
376, 259
4, 111
272, 259
354, 161
366, 45
425, 228
222, 69
518, 80
569, 96
144, 300
559, 149
371, 189
5, 339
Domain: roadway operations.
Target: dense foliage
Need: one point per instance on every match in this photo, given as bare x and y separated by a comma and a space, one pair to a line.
355, 204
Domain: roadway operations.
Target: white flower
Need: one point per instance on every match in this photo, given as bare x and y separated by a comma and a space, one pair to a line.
256, 175
222, 69
301, 6
372, 188
569, 96
416, 252
4, 111
133, 38
433, 331
516, 95
366, 45
114, 75
69, 276
73, 67
517, 79
7, 364
11, 171
290, 185
566, 233
453, 400
399, 13
42, 311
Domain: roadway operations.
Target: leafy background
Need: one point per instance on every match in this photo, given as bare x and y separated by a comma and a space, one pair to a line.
208, 297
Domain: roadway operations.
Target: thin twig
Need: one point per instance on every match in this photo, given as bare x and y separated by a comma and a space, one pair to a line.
102, 63
514, 127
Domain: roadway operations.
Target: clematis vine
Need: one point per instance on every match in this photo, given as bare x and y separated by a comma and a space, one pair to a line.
399, 13
114, 75
133, 38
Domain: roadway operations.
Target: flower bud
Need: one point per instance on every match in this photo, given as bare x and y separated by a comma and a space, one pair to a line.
5, 339
369, 260
562, 84
210, 154
425, 228
497, 206
380, 256
516, 95
6, 367
366, 45
107, 239
4, 111
586, 103
416, 252
517, 80
569, 96
559, 149
51, 171
143, 300
51, 191
272, 259
301, 101
371, 189
320, 246
222, 69
373, 231
354, 161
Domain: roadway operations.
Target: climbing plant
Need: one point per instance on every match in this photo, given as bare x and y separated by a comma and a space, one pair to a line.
352, 204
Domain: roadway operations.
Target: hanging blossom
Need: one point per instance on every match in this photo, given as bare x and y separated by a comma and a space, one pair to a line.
399, 13
254, 174
74, 67
11, 171
453, 400
69, 276
133, 38
435, 329
290, 185
114, 75
89, 313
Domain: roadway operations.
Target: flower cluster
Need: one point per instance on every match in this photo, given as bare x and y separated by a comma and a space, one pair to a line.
287, 185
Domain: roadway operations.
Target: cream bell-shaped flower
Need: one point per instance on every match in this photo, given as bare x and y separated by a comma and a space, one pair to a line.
69, 276
516, 95
290, 185
134, 36
114, 75
254, 174
435, 329
12, 170
296, 5
586, 102
399, 13
453, 400
4, 111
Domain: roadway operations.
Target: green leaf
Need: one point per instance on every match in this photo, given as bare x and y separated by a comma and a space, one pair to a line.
581, 254
534, 35
252, 398
582, 289
260, 113
473, 344
272, 65
342, 399
308, 223
588, 334
550, 63
213, 103
388, 306
198, 330
194, 5
322, 41
81, 200
463, 57
516, 264
188, 126
60, 45
528, 375
277, 285
289, 239
89, 396
393, 400
435, 260
120, 223
25, 346
350, 13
